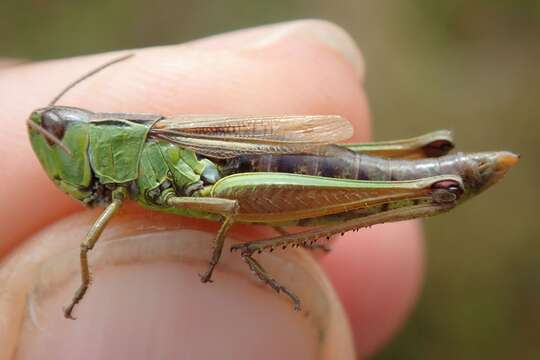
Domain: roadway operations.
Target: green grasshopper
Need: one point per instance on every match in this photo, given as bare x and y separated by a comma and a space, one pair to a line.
273, 170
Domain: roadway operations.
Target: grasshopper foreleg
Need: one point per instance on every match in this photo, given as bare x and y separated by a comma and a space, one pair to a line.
225, 207
88, 243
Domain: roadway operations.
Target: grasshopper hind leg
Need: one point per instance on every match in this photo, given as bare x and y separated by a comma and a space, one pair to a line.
312, 245
258, 270
433, 144
315, 246
247, 252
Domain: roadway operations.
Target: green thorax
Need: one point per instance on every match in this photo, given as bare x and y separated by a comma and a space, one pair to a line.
168, 166
115, 148
121, 152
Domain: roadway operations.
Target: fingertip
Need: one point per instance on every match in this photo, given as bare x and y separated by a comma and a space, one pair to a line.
321, 32
146, 300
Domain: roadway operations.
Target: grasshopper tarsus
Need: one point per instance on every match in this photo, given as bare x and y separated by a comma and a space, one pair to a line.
67, 312
206, 277
77, 297
259, 271
79, 294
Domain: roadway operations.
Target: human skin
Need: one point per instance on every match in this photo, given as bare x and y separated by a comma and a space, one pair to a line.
145, 305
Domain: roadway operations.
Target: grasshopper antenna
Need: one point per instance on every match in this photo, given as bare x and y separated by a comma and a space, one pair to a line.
86, 76
46, 133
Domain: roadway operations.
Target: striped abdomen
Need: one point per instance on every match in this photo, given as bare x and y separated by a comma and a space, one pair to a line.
338, 162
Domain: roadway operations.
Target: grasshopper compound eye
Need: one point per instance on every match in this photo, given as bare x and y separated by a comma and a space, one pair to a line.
49, 124
53, 124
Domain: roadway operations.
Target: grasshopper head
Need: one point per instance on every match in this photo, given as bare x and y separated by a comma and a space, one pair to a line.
59, 137
486, 168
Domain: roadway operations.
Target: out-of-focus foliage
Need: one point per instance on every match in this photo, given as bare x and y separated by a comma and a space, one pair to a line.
468, 65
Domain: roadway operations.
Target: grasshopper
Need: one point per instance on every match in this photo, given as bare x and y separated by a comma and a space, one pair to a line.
272, 170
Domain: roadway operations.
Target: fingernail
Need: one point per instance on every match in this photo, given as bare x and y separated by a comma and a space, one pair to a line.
323, 32
146, 301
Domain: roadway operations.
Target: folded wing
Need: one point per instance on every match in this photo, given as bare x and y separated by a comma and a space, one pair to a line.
225, 136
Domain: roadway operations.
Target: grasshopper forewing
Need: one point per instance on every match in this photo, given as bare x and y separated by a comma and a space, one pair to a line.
274, 170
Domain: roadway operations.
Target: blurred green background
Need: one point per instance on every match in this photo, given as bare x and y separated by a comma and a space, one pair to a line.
471, 66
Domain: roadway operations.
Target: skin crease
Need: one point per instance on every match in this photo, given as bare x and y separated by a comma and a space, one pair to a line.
303, 67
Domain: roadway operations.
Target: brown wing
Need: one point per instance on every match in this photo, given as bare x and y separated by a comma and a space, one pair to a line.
224, 136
